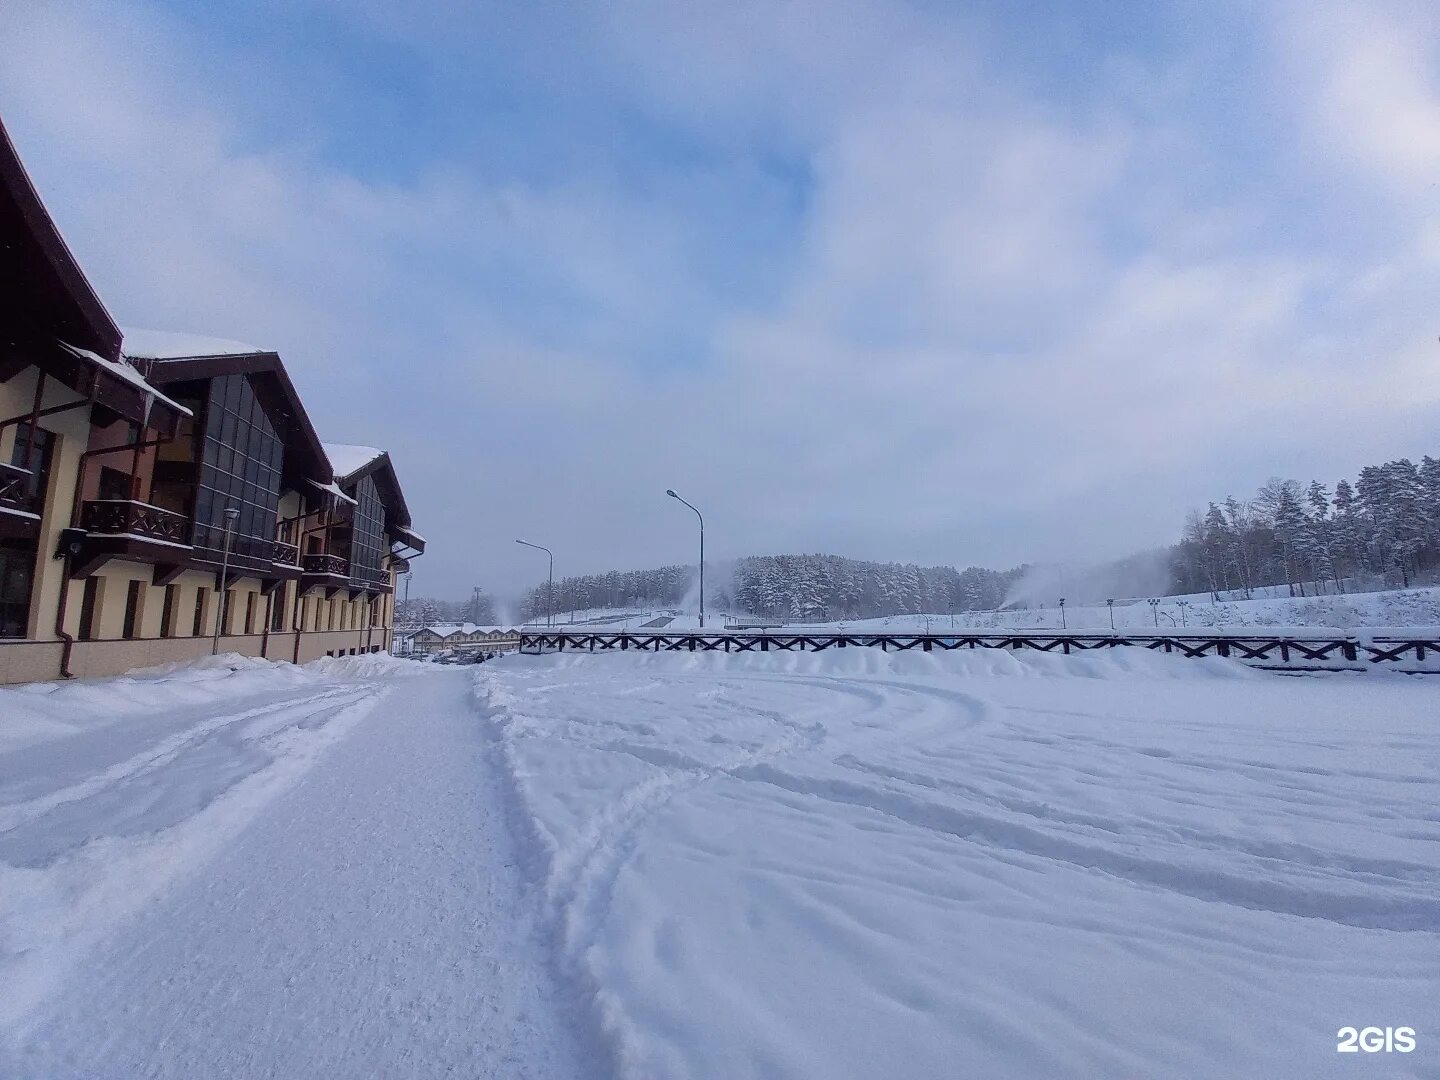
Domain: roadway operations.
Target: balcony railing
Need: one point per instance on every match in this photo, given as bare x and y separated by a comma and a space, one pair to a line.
286, 554
15, 488
369, 575
129, 518
333, 565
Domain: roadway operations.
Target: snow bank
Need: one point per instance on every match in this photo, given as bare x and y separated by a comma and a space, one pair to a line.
860, 864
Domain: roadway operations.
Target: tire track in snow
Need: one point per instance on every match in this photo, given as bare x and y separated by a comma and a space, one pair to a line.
581, 877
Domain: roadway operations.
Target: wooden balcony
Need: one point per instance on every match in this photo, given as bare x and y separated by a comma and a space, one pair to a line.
135, 520
329, 572
328, 565
286, 554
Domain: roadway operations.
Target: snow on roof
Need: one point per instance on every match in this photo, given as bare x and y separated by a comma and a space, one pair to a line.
123, 371
167, 345
334, 489
411, 533
446, 629
349, 459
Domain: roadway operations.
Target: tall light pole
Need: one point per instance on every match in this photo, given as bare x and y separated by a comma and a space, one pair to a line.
550, 585
232, 514
671, 493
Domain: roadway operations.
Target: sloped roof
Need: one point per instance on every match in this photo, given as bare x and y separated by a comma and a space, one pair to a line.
366, 461
305, 457
349, 459
47, 295
141, 344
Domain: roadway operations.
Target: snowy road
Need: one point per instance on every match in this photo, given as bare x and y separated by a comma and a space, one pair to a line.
841, 865
367, 920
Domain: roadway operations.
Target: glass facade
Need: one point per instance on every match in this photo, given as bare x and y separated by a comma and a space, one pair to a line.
240, 464
367, 536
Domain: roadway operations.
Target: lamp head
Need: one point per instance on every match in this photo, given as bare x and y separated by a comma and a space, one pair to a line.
231, 513
671, 493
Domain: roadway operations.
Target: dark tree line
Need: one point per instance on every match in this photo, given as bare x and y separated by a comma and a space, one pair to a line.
663, 586
792, 587
803, 587
478, 608
1382, 531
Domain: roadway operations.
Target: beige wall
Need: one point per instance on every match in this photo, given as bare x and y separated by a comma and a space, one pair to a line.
73, 428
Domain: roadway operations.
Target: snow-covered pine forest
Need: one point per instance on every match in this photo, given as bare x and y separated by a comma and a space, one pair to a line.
1382, 531
786, 586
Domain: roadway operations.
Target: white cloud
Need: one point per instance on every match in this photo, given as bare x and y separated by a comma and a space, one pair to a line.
1003, 331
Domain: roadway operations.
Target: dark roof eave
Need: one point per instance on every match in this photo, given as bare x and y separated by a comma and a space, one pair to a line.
103, 333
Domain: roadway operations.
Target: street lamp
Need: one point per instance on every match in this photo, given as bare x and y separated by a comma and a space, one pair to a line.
671, 493
550, 586
1155, 611
1063, 625
1111, 605
232, 514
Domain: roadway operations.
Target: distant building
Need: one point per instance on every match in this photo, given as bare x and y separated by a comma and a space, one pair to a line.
120, 455
442, 637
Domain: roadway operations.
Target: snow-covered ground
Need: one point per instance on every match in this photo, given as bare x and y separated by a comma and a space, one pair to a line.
243, 870
782, 865
987, 864
1419, 608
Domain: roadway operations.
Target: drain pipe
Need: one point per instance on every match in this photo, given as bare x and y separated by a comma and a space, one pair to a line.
69, 639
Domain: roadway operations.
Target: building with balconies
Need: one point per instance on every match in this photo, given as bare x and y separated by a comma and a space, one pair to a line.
164, 495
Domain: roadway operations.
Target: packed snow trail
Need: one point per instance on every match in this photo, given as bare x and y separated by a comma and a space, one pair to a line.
368, 920
854, 865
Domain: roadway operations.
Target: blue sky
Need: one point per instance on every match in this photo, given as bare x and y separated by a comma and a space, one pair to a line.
980, 283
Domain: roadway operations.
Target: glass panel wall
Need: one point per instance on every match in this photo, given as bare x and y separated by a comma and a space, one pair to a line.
239, 467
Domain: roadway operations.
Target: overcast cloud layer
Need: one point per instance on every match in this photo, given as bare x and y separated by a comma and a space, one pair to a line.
932, 282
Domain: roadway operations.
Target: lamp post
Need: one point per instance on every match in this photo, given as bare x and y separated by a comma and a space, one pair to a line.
1183, 604
1155, 611
232, 514
671, 493
1063, 625
550, 583
1111, 605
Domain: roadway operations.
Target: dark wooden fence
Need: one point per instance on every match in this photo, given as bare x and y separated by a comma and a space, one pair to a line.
1283, 652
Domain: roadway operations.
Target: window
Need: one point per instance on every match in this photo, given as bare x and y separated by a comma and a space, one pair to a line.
168, 610
240, 462
115, 484
304, 613
132, 609
198, 627
88, 600
367, 535
41, 451
226, 606
17, 578
250, 613
277, 608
